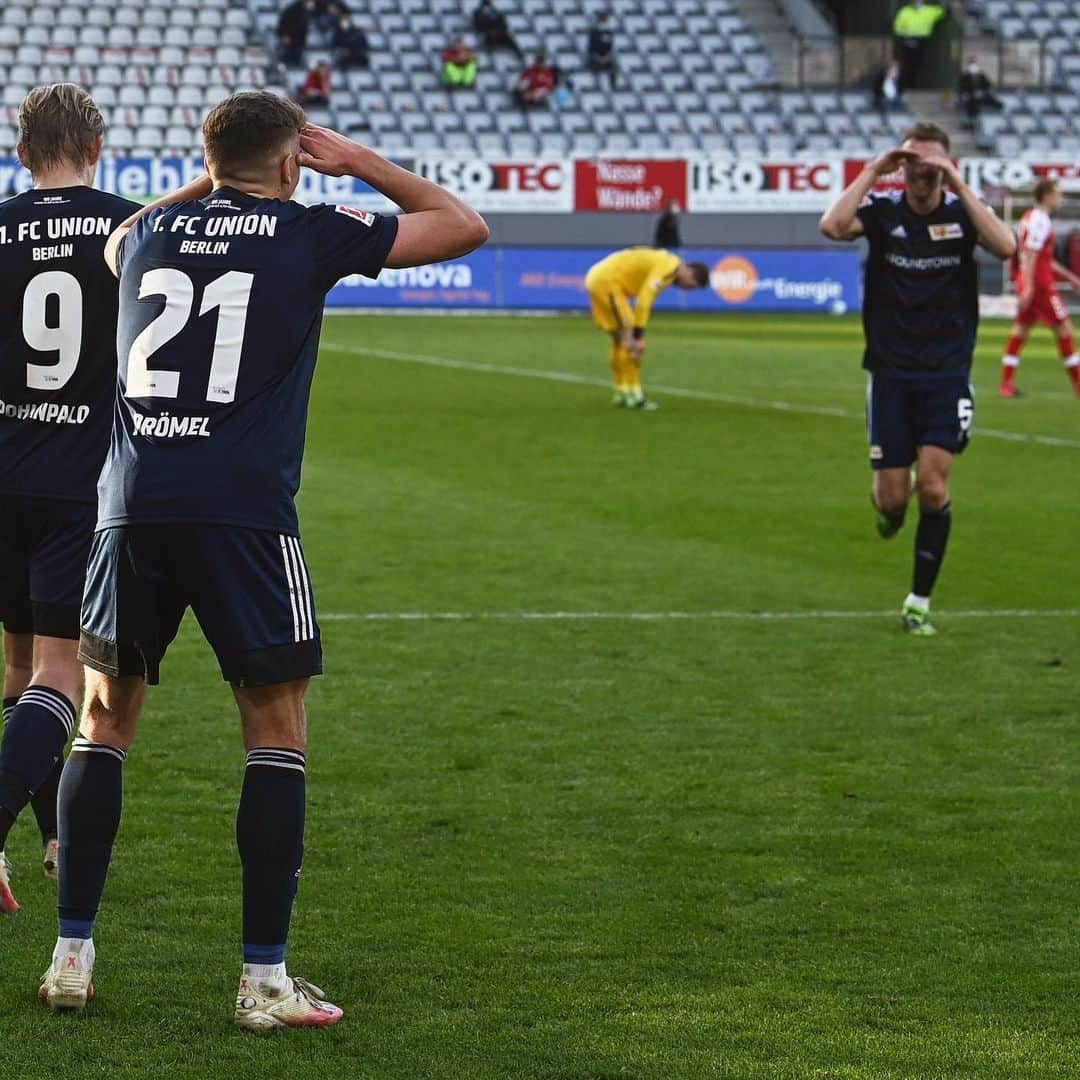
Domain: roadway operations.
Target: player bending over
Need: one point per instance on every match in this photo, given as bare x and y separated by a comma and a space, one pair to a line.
1036, 273
221, 296
57, 383
920, 316
638, 274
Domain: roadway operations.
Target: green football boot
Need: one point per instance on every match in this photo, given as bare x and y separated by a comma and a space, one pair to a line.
916, 621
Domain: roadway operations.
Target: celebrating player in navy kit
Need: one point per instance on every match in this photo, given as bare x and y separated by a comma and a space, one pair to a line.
921, 316
221, 296
57, 384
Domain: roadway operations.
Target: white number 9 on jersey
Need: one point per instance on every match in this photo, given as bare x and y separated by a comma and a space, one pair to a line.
64, 339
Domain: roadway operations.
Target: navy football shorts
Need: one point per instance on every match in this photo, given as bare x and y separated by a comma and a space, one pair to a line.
905, 412
44, 546
248, 589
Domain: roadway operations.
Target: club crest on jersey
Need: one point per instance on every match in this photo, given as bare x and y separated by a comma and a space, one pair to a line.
953, 231
361, 215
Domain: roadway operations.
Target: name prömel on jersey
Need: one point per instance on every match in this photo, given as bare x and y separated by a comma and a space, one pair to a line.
167, 426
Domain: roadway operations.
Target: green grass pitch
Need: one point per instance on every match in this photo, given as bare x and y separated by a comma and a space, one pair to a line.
589, 849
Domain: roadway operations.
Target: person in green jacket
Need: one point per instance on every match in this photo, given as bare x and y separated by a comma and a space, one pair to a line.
913, 27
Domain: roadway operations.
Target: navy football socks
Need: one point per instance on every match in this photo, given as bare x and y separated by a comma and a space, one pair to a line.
91, 796
37, 727
931, 540
270, 838
43, 802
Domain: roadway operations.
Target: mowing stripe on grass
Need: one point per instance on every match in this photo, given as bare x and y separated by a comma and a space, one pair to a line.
662, 616
672, 391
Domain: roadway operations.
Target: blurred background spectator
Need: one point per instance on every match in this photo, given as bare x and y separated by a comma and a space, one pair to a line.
888, 93
975, 91
600, 52
536, 82
316, 87
458, 65
490, 23
913, 28
350, 43
667, 227
292, 30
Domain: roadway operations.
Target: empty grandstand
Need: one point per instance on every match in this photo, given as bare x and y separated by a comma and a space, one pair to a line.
696, 77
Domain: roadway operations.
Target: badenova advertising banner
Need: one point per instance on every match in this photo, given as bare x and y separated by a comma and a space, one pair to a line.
517, 278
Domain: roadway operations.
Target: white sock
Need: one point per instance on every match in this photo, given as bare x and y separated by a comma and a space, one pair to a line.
1073, 361
1011, 361
267, 973
922, 602
83, 946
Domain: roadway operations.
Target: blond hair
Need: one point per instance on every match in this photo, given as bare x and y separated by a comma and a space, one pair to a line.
59, 124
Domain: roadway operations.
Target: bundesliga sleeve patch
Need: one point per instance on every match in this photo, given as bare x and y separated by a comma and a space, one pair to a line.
360, 215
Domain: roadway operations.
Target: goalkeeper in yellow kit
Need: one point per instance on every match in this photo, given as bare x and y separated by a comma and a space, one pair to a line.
640, 274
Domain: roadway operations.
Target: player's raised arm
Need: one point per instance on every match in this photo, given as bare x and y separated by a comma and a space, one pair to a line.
994, 234
841, 220
435, 226
197, 189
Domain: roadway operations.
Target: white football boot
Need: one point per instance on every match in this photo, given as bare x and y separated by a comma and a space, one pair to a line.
266, 1006
50, 860
66, 985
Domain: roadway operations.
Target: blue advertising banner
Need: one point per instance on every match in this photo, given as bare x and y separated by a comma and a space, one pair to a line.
740, 280
555, 278
145, 179
469, 282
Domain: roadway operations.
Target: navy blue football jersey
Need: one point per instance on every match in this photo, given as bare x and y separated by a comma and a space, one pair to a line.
221, 306
921, 300
57, 340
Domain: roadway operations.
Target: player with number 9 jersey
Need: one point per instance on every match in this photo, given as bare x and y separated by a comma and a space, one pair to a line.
58, 307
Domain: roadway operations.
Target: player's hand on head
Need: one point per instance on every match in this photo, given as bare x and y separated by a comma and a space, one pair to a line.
893, 160
326, 151
945, 164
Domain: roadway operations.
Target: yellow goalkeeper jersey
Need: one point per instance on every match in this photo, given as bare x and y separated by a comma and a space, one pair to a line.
639, 272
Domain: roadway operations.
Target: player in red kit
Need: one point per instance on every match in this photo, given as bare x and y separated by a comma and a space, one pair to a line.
1036, 273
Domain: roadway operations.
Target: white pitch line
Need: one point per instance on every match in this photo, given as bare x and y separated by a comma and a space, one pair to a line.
674, 616
671, 391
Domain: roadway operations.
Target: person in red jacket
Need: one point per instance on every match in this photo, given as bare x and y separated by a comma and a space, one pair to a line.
536, 82
316, 87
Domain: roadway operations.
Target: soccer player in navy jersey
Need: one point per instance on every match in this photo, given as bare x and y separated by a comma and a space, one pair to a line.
57, 382
221, 297
921, 317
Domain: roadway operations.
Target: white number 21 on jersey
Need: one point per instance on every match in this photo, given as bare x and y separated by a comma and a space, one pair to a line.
229, 293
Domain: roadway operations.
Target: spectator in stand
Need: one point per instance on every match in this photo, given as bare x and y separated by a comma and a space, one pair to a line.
292, 30
350, 43
667, 227
316, 88
913, 28
535, 83
888, 93
459, 65
975, 91
490, 23
600, 54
